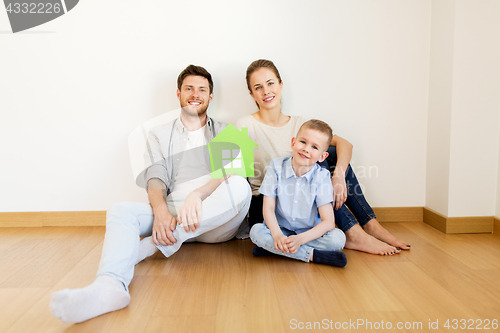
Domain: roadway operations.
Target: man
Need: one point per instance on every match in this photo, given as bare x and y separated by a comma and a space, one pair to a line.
180, 191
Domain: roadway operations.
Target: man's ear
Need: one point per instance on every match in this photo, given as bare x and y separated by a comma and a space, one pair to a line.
211, 96
323, 156
178, 94
293, 142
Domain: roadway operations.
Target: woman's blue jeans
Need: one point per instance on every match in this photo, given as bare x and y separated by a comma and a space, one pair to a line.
355, 210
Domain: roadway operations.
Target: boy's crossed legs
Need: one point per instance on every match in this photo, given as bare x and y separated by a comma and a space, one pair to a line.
324, 249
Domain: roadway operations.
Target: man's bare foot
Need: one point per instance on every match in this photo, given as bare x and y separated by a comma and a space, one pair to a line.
358, 239
376, 230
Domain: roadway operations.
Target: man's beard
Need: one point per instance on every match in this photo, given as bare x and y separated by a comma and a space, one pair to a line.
195, 112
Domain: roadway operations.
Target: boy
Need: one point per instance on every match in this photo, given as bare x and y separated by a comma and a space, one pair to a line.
295, 190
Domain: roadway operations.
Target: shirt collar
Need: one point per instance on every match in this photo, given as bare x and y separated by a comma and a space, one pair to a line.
179, 126
289, 170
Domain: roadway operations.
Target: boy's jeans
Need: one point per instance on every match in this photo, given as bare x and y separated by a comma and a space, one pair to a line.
331, 241
222, 213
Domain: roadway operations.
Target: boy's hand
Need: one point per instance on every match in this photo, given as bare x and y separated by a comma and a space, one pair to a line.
293, 243
279, 243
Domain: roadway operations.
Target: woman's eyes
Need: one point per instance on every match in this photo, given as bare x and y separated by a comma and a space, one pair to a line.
259, 87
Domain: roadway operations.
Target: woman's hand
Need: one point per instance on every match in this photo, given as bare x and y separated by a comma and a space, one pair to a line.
293, 243
190, 213
163, 225
279, 243
339, 188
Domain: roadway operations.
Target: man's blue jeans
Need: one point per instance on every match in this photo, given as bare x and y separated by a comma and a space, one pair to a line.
126, 222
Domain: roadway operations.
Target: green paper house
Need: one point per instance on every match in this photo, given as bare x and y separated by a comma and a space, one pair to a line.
231, 152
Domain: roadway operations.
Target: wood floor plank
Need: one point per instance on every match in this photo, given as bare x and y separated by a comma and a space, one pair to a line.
193, 283
21, 246
192, 323
420, 294
359, 289
305, 297
16, 301
56, 258
454, 275
38, 318
247, 299
223, 288
9, 237
156, 265
373, 321
460, 246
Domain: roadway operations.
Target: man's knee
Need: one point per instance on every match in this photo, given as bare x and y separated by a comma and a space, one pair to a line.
119, 212
239, 189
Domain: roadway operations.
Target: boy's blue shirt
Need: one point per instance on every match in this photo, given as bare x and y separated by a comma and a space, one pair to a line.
297, 198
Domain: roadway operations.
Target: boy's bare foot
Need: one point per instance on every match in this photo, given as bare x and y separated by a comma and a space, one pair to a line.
374, 228
358, 239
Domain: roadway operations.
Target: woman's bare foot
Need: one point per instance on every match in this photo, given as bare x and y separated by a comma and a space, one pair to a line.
358, 239
376, 230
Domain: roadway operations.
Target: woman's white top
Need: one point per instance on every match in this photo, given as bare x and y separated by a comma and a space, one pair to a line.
272, 142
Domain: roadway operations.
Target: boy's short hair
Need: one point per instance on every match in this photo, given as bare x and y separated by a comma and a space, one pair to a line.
197, 71
319, 126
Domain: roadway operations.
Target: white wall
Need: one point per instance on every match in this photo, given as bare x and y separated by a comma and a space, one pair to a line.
497, 209
475, 109
73, 89
464, 105
440, 101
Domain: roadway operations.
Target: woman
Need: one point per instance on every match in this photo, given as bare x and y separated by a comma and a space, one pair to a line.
272, 131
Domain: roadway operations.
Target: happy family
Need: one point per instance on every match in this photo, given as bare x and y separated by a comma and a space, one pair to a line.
302, 189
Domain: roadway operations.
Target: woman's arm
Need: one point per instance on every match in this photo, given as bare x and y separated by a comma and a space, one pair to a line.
344, 154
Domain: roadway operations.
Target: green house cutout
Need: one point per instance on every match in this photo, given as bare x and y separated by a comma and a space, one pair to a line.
231, 152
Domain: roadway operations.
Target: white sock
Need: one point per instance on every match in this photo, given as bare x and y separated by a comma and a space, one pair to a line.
104, 295
146, 249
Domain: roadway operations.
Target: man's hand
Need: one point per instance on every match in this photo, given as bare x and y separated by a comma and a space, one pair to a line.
163, 225
279, 243
339, 188
190, 213
293, 243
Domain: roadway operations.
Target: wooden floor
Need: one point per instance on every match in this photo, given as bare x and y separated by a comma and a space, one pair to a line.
223, 288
